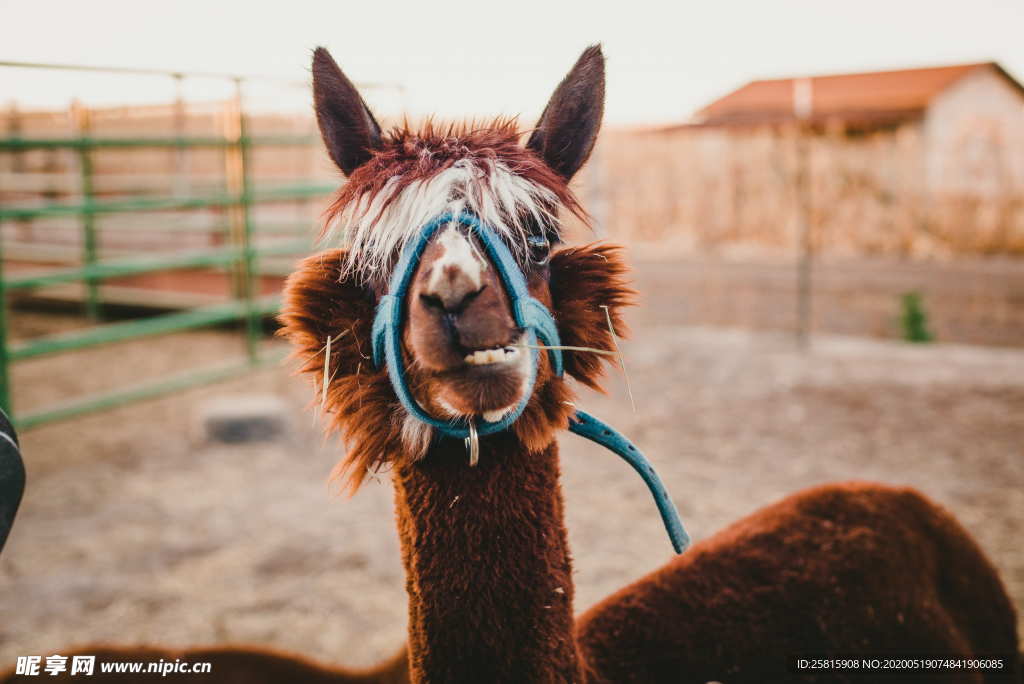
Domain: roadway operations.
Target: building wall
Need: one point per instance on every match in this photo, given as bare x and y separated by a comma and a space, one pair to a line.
974, 134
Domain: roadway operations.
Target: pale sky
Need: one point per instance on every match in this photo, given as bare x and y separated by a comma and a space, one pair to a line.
459, 58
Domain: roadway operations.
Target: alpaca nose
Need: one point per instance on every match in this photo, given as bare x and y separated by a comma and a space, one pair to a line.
456, 277
451, 289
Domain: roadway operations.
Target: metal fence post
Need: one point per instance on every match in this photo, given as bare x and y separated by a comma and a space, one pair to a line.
181, 158
83, 126
247, 261
805, 236
18, 166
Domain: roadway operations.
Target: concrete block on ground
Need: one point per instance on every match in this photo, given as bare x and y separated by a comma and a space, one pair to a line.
244, 418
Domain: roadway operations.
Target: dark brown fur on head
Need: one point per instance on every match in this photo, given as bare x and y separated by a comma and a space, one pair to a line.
360, 402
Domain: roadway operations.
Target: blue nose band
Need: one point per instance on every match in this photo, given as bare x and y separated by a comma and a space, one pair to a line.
529, 314
538, 324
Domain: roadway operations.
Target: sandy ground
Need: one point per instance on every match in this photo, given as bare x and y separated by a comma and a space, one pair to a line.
135, 530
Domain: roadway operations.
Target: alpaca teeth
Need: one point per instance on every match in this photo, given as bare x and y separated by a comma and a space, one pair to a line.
485, 356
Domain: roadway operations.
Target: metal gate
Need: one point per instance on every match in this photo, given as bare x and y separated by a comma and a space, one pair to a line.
237, 255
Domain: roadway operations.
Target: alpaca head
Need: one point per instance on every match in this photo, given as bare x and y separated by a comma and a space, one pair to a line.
461, 346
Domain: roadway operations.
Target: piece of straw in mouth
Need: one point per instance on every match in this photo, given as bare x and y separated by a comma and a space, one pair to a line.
565, 348
618, 352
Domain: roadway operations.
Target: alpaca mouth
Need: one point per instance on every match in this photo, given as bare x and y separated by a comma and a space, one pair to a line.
489, 382
509, 355
495, 355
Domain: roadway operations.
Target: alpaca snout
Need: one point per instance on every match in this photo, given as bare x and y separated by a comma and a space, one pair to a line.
481, 332
459, 312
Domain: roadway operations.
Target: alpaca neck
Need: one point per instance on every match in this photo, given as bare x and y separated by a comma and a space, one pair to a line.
487, 565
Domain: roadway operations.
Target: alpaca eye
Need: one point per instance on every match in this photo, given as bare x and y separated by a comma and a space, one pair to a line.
540, 249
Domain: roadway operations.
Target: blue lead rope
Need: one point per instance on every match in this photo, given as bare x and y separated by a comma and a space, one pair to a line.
586, 425
530, 315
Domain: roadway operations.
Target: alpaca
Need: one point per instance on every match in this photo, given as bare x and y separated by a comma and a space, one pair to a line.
855, 567
849, 569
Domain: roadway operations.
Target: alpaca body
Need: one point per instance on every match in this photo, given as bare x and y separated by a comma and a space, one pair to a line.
845, 569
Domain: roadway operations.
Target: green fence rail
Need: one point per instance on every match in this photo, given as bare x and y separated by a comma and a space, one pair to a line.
239, 259
87, 143
88, 208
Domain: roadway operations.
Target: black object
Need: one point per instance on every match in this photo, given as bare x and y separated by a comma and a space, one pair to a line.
12, 476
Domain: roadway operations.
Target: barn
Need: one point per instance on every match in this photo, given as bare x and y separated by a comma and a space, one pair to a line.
914, 162
969, 117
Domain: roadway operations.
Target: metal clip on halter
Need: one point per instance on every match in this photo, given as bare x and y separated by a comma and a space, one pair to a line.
530, 315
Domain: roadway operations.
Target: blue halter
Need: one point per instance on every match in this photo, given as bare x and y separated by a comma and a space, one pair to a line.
529, 314
534, 318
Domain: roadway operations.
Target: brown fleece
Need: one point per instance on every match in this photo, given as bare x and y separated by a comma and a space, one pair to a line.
488, 571
841, 569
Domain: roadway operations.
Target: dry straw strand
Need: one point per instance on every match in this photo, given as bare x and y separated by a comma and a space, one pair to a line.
328, 376
566, 348
618, 352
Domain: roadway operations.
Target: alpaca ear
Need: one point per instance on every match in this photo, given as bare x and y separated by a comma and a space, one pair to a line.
348, 128
565, 134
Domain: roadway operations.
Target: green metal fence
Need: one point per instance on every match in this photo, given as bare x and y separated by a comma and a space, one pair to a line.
239, 258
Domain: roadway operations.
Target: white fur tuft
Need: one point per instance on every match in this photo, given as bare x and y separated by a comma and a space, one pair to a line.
375, 231
416, 436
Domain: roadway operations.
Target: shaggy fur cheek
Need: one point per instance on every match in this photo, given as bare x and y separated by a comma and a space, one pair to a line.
588, 284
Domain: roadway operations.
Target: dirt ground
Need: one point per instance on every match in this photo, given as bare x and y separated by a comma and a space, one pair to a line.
134, 529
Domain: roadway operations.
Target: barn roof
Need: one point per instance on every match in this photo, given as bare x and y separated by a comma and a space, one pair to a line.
871, 99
